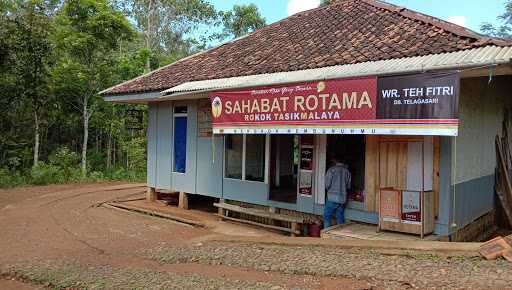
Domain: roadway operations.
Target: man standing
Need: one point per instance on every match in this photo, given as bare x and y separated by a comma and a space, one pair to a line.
337, 183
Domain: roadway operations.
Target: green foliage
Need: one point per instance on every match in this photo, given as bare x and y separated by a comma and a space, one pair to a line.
32, 28
88, 34
64, 158
96, 176
122, 173
136, 152
503, 30
11, 179
132, 64
56, 55
43, 174
87, 27
167, 26
63, 167
327, 2
67, 163
241, 20
25, 57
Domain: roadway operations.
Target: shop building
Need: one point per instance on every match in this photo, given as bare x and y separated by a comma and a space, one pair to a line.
409, 101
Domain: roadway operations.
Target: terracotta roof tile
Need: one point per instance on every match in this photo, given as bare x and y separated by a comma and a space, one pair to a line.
346, 32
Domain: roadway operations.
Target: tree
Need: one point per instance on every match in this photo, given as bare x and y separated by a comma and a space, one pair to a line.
8, 90
241, 20
327, 2
504, 30
88, 31
165, 25
32, 23
25, 56
55, 55
6, 5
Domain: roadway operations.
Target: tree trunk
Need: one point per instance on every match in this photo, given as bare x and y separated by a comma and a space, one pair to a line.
149, 32
114, 153
109, 150
86, 136
36, 137
97, 142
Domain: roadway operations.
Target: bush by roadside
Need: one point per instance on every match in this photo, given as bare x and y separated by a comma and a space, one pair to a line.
63, 167
11, 179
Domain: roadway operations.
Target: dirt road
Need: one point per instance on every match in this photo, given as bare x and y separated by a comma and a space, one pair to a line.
59, 237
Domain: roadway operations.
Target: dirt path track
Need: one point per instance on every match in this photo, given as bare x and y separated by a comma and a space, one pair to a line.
56, 232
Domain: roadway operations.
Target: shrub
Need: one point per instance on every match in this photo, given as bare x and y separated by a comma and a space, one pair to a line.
119, 174
135, 148
11, 178
5, 178
96, 160
73, 174
63, 166
43, 174
67, 161
122, 174
96, 176
64, 158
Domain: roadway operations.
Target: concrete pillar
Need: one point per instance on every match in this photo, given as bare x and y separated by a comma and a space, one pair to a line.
151, 194
183, 200
220, 209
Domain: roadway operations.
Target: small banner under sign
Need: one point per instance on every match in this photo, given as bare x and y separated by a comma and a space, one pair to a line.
423, 104
389, 205
411, 207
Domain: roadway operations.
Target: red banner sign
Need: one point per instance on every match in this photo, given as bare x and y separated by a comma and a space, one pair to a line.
344, 106
306, 103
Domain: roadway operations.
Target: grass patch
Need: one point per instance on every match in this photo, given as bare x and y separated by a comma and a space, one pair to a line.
56, 276
76, 276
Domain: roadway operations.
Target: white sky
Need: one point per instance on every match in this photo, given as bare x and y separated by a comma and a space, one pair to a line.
460, 20
295, 6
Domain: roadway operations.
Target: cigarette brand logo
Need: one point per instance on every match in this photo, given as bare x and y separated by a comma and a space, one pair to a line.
216, 107
321, 87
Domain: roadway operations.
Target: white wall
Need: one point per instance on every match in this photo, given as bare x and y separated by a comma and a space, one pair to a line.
481, 112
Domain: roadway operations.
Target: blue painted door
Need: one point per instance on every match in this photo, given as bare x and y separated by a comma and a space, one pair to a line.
180, 144
184, 147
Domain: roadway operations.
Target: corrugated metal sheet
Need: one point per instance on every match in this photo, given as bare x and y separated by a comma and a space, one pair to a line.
490, 55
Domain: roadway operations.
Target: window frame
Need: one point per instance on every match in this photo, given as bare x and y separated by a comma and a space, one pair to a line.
244, 158
174, 116
225, 156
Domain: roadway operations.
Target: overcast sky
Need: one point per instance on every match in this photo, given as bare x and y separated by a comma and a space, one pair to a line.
468, 13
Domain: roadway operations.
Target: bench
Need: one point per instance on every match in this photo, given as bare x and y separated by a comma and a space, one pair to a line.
225, 208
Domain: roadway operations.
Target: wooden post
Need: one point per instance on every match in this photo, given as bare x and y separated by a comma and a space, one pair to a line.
183, 201
221, 210
272, 221
151, 194
294, 229
422, 193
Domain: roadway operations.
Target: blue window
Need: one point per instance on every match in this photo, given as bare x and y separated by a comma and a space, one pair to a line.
180, 139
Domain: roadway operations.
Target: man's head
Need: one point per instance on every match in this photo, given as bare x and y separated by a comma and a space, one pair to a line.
336, 159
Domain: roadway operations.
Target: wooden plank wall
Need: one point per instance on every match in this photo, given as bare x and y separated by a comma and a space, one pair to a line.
435, 185
371, 173
388, 155
393, 164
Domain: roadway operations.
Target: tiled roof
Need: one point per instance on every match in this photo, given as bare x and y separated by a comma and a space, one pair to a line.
346, 32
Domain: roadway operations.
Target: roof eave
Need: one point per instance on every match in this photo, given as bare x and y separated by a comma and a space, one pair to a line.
461, 60
471, 59
133, 98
